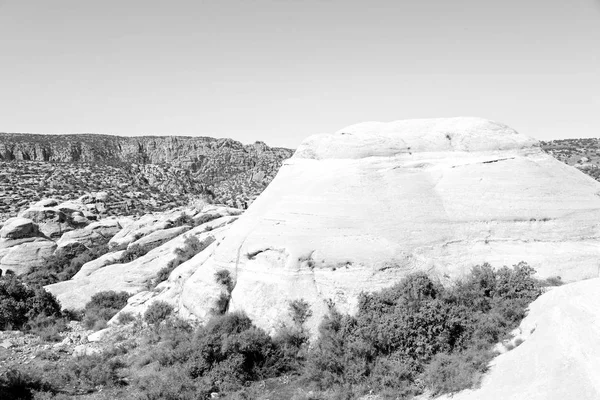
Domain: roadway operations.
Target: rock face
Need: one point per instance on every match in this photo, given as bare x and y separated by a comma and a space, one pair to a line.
19, 228
560, 356
361, 208
27, 256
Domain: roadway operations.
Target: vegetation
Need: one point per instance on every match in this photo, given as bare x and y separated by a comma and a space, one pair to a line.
414, 336
191, 247
102, 307
21, 306
157, 312
62, 266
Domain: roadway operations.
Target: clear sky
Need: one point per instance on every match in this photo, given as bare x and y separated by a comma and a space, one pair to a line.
278, 71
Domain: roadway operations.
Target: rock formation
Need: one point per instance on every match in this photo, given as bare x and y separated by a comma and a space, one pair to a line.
169, 246
357, 210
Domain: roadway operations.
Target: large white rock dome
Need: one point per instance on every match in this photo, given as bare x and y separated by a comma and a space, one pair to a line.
357, 210
370, 139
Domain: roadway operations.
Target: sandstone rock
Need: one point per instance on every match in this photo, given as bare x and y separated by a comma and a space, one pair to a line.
360, 209
131, 277
18, 228
560, 356
102, 197
100, 262
70, 250
170, 291
46, 203
85, 350
161, 236
142, 227
98, 335
96, 233
28, 256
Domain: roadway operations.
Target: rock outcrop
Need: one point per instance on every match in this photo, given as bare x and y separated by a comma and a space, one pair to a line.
359, 209
108, 272
48, 228
559, 357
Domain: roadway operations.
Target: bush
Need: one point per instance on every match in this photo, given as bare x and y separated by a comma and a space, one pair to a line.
418, 328
299, 311
157, 312
17, 385
223, 277
102, 307
20, 304
450, 373
125, 318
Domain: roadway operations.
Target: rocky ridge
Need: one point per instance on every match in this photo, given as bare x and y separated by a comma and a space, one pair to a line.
140, 174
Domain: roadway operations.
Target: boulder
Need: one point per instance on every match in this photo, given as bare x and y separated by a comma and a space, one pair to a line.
91, 266
559, 357
359, 209
101, 197
19, 228
28, 256
46, 203
94, 234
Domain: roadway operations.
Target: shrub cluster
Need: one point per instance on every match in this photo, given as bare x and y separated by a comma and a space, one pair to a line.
421, 332
25, 307
102, 307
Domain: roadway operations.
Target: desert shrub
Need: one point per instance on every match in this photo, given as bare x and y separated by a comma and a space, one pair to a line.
223, 277
299, 311
172, 384
163, 273
449, 373
125, 318
96, 370
134, 252
157, 312
417, 330
102, 307
18, 385
48, 328
221, 304
183, 219
20, 304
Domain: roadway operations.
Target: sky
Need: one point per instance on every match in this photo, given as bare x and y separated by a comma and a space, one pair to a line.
279, 71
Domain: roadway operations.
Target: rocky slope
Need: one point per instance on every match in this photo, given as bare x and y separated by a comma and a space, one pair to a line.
140, 175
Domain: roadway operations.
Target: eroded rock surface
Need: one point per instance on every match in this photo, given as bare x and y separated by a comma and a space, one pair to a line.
361, 208
108, 273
